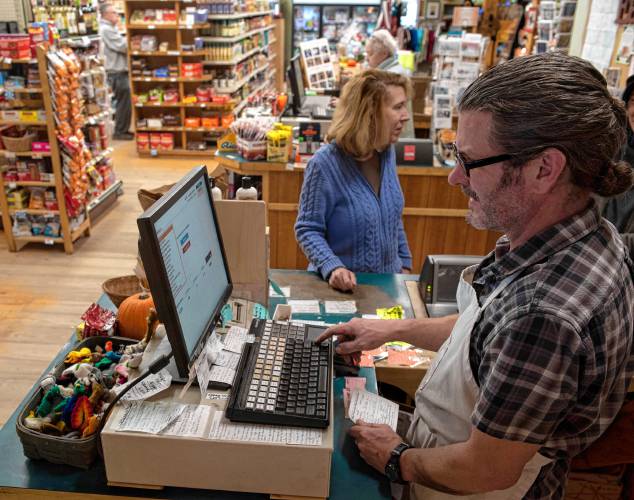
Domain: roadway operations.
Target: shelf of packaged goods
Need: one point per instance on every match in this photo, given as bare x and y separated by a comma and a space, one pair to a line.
180, 152
242, 82
235, 60
182, 129
34, 211
7, 61
96, 159
166, 26
47, 240
233, 39
185, 80
11, 184
95, 202
30, 154
238, 15
201, 105
244, 102
167, 53
31, 90
19, 122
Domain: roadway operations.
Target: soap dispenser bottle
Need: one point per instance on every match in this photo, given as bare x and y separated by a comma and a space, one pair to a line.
216, 194
247, 191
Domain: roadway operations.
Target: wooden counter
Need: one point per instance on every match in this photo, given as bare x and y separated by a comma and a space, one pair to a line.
434, 213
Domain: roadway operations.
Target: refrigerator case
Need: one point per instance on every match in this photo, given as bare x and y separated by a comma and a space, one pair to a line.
311, 20
306, 23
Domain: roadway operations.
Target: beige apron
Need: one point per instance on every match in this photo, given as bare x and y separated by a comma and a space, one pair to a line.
447, 396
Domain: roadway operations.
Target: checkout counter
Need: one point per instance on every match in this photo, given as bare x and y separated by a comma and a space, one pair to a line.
350, 476
434, 213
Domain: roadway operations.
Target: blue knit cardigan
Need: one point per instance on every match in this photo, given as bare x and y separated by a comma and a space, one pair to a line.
343, 223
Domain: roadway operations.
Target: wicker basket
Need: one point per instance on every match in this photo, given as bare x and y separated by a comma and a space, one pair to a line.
60, 450
19, 144
119, 289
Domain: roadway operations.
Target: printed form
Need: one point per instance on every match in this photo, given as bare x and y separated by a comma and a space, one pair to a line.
223, 429
372, 409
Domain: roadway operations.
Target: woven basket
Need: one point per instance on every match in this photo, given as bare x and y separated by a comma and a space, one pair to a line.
119, 289
19, 144
55, 449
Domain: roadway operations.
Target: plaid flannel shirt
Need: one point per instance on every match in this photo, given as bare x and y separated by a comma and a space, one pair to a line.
553, 354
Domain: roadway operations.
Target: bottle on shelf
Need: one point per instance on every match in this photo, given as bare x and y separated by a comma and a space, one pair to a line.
247, 191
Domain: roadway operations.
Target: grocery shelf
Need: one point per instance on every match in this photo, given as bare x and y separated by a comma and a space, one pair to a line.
38, 239
166, 53
30, 154
240, 15
237, 38
30, 183
20, 122
174, 79
243, 82
166, 26
180, 152
235, 60
202, 105
33, 211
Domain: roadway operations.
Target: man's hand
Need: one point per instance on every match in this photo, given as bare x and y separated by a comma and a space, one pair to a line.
375, 443
359, 335
342, 279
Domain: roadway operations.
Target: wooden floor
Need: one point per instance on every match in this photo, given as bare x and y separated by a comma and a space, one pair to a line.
44, 291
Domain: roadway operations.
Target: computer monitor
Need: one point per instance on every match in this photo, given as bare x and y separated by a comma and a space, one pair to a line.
297, 84
184, 259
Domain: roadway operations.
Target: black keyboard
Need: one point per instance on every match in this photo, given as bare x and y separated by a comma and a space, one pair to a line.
284, 378
321, 112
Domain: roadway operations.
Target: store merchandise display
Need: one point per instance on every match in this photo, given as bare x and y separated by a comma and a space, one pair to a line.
57, 170
206, 61
71, 18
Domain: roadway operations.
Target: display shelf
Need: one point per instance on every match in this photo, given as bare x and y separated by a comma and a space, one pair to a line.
245, 101
29, 154
48, 240
170, 53
240, 15
244, 81
237, 38
95, 202
179, 152
10, 184
201, 105
235, 60
183, 137
33, 211
174, 80
20, 122
32, 90
158, 26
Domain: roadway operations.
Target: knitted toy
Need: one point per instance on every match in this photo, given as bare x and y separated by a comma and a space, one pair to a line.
46, 405
81, 413
82, 356
91, 427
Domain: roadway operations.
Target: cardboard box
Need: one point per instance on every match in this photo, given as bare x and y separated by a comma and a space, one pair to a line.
136, 459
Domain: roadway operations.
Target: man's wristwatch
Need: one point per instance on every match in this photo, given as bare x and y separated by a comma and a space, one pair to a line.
393, 466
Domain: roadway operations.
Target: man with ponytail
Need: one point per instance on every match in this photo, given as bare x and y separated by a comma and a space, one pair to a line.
537, 363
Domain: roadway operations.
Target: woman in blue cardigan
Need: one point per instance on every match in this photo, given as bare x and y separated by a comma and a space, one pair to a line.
351, 205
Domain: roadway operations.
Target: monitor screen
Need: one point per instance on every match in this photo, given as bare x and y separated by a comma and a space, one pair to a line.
297, 83
183, 256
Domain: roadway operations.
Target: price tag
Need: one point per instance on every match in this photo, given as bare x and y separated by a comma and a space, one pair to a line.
151, 27
148, 79
153, 152
173, 79
49, 241
290, 166
36, 156
173, 53
8, 61
12, 185
136, 53
9, 154
85, 40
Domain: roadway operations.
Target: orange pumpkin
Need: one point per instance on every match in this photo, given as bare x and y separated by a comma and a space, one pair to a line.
133, 313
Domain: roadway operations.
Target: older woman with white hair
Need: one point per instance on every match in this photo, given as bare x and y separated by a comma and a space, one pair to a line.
382, 53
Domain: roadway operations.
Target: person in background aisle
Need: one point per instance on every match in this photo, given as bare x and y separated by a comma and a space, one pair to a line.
381, 51
351, 204
115, 52
538, 362
619, 210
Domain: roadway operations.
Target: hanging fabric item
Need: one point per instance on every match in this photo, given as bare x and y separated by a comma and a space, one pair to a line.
384, 20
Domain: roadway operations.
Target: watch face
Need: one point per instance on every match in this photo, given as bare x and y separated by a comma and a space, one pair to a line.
391, 472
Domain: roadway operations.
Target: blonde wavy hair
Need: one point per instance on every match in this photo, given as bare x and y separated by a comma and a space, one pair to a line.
357, 121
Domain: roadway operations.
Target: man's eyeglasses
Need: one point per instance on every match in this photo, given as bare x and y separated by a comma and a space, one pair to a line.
483, 162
